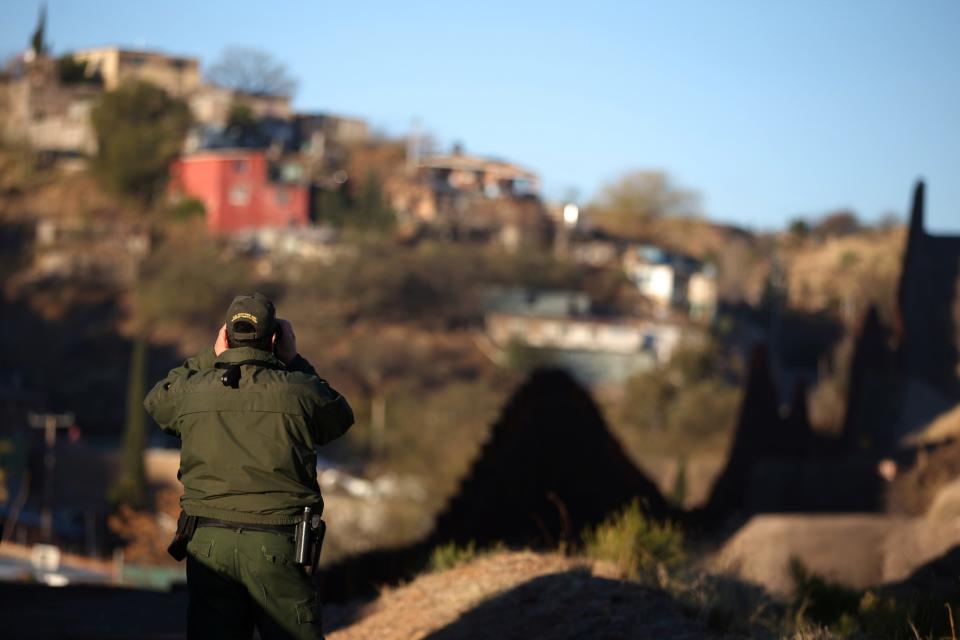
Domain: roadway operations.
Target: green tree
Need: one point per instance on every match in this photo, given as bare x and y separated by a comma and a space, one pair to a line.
131, 486
140, 131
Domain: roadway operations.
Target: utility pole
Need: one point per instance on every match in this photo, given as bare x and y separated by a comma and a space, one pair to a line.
49, 422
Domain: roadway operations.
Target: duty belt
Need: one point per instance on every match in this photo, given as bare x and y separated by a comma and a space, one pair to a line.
286, 529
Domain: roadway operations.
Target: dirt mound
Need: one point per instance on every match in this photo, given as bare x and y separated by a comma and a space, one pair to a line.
946, 502
944, 428
522, 595
927, 485
858, 551
936, 579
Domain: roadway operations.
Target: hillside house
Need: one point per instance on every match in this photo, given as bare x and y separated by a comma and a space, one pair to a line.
672, 280
40, 111
177, 75
561, 328
275, 126
240, 190
333, 128
609, 335
211, 104
470, 197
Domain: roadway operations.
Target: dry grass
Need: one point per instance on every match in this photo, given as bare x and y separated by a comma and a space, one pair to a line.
523, 595
846, 274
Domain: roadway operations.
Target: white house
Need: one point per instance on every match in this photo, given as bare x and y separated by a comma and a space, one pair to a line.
672, 280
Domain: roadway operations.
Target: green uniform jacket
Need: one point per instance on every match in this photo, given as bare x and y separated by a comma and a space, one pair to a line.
248, 454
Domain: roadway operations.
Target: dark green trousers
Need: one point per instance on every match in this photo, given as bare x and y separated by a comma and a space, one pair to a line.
239, 579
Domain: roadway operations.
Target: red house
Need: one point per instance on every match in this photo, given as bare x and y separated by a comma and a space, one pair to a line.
237, 191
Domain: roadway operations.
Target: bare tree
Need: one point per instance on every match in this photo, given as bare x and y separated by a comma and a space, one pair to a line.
251, 71
642, 196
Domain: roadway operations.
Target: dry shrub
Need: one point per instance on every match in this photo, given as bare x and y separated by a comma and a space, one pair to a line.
450, 555
643, 548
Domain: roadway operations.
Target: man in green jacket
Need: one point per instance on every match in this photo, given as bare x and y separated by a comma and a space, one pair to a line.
250, 413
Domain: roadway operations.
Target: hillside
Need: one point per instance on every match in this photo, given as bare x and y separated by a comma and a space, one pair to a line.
844, 274
522, 595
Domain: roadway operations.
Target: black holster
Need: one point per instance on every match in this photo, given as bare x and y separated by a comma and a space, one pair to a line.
308, 540
186, 525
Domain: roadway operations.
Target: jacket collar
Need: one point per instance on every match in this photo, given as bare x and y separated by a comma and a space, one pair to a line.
239, 354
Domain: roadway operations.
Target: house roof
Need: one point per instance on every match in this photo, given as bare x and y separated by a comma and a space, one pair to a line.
464, 162
155, 53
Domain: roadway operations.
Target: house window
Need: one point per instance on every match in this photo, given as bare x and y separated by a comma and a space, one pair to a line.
239, 195
240, 166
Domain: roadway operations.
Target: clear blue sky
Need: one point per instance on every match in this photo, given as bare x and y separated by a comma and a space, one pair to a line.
769, 109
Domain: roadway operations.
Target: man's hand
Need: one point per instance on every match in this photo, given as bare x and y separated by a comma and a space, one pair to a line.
286, 346
221, 344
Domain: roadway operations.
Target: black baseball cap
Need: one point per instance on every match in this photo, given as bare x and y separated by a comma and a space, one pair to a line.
250, 318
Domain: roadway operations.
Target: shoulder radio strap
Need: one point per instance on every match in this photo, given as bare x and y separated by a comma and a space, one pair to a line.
231, 377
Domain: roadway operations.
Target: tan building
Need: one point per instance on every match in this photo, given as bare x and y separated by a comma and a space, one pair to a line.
492, 178
702, 295
472, 197
39, 111
177, 75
